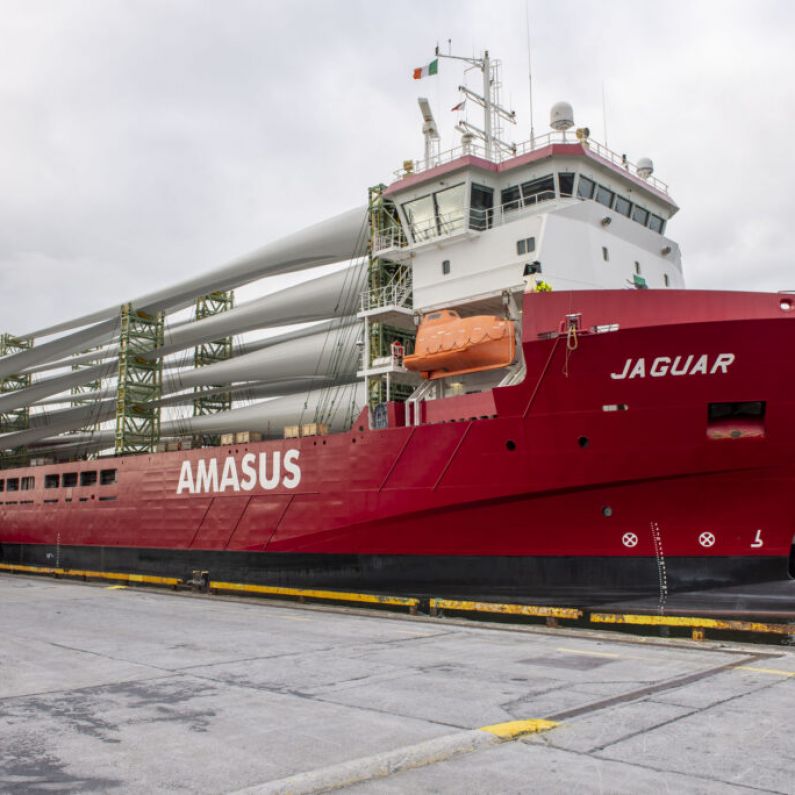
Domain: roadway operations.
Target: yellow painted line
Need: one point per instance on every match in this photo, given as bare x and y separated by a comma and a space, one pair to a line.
516, 728
589, 653
506, 609
692, 621
94, 575
771, 671
116, 588
338, 596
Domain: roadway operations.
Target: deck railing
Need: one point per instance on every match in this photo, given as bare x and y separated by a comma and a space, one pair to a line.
532, 145
397, 292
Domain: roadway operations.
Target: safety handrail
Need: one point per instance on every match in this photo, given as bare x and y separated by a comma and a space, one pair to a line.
531, 145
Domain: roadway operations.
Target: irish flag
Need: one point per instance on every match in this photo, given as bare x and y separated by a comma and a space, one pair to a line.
426, 71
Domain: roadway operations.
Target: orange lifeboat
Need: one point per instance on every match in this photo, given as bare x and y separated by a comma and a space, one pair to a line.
448, 344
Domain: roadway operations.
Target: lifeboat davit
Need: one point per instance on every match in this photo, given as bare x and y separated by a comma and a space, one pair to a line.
448, 344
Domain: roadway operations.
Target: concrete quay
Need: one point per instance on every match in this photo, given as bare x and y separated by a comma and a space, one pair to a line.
125, 690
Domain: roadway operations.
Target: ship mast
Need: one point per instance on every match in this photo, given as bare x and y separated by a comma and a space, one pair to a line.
493, 112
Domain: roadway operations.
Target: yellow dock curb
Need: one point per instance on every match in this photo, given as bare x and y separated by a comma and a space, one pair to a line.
337, 596
91, 575
506, 609
692, 622
697, 624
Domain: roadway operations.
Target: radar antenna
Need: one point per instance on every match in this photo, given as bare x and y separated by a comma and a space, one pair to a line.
493, 112
430, 131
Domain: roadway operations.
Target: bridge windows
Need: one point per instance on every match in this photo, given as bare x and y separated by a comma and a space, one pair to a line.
528, 193
511, 198
585, 188
588, 189
52, 481
623, 206
28, 483
441, 213
566, 184
421, 218
481, 207
450, 209
69, 479
538, 190
88, 478
604, 196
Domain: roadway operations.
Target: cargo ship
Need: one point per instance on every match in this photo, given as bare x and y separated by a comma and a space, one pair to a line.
507, 389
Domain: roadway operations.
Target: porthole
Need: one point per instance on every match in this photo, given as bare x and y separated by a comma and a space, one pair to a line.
510, 444
607, 511
583, 441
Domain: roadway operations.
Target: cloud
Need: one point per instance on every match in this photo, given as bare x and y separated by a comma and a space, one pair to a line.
142, 142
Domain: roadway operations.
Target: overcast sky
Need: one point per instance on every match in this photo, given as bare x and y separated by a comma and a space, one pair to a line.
141, 141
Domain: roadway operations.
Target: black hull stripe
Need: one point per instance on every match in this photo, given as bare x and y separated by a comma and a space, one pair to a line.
579, 581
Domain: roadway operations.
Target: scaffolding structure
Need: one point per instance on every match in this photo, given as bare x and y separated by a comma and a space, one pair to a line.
212, 398
387, 304
140, 381
17, 419
87, 394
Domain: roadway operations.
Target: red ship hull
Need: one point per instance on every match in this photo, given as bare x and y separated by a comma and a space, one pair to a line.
651, 449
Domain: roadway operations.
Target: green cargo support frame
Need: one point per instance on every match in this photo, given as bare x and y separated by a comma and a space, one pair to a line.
14, 419
212, 399
140, 382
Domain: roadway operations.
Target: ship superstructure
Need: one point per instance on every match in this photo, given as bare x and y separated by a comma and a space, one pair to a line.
475, 227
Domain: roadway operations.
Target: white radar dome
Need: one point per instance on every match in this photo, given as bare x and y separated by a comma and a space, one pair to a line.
561, 116
645, 167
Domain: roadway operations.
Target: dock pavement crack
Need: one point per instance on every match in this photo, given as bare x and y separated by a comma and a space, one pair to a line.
670, 684
684, 716
656, 769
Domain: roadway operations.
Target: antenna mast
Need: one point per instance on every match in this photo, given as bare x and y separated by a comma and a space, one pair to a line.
530, 74
493, 112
